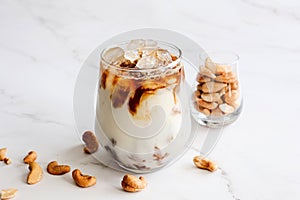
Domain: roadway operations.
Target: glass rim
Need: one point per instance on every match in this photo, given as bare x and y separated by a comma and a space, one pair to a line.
209, 53
170, 65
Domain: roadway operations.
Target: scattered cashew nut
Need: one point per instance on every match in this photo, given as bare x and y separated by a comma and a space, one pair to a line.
204, 163
91, 142
3, 153
31, 157
131, 183
35, 174
7, 161
3, 156
83, 180
55, 169
8, 193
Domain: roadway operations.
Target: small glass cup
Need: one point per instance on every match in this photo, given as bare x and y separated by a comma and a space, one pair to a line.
217, 98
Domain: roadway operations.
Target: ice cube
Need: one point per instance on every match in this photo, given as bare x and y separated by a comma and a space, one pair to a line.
150, 48
132, 55
137, 44
164, 56
149, 52
113, 55
150, 43
147, 62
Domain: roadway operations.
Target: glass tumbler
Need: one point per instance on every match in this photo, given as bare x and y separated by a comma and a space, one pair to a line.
142, 106
217, 98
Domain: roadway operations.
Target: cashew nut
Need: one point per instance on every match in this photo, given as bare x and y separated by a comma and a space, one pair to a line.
131, 183
8, 193
91, 142
55, 169
83, 180
3, 153
35, 174
31, 157
204, 163
7, 161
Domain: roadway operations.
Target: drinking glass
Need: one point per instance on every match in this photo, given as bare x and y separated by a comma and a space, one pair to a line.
143, 113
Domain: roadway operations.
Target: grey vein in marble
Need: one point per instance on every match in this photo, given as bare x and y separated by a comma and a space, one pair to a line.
45, 23
8, 96
18, 52
41, 20
272, 9
228, 182
198, 20
224, 176
35, 117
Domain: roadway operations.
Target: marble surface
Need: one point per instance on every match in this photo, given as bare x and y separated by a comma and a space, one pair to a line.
43, 44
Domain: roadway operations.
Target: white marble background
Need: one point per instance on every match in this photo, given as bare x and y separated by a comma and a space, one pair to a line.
42, 46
